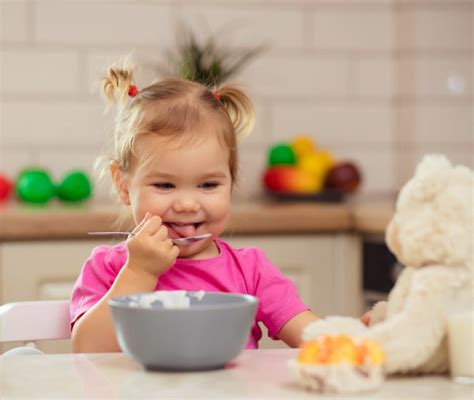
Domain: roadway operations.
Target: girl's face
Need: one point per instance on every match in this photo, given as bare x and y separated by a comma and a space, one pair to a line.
188, 185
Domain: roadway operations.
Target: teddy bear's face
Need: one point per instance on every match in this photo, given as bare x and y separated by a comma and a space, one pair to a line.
392, 240
413, 235
433, 221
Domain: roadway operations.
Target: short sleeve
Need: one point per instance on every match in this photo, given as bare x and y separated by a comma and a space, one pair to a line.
97, 276
279, 299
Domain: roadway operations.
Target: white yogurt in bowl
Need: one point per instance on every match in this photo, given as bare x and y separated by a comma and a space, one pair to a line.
168, 299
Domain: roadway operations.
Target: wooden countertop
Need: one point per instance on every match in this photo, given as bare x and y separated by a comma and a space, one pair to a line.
254, 374
60, 221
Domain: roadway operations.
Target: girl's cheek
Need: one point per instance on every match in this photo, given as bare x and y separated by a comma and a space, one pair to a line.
222, 214
219, 204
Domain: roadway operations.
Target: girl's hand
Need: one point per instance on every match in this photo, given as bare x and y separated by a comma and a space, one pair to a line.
376, 314
365, 319
149, 249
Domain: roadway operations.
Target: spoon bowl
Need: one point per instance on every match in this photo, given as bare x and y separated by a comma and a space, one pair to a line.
190, 239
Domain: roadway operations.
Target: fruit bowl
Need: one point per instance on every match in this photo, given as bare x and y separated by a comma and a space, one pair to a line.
325, 196
300, 171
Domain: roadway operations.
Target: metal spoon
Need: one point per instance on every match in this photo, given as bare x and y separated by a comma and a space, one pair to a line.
179, 241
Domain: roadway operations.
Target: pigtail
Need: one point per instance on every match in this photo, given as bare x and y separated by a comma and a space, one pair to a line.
117, 82
240, 109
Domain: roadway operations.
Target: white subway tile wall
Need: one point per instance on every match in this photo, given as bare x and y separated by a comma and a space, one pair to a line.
378, 82
355, 27
91, 24
54, 71
15, 18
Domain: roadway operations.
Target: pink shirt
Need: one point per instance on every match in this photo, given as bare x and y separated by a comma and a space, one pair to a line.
244, 270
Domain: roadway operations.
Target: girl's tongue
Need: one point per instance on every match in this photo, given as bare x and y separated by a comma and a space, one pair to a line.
183, 230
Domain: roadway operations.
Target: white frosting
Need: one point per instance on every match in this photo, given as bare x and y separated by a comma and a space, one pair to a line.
337, 378
169, 299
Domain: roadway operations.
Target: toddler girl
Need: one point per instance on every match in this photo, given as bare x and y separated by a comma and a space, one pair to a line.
174, 163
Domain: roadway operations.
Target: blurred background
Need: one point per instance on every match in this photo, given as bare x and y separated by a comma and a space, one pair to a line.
380, 82
377, 82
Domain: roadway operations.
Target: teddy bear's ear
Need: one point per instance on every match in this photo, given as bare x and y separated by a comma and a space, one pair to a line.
431, 177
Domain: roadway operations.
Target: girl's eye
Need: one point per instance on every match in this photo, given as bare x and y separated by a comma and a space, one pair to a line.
208, 185
163, 185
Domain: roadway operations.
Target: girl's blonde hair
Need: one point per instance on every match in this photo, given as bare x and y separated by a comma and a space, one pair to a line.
172, 107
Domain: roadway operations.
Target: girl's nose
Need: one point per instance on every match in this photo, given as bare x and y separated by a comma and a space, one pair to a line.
186, 204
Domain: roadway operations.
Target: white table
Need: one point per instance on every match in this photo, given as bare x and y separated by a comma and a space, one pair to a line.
255, 374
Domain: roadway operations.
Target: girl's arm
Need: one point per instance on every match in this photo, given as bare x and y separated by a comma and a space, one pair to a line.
150, 254
292, 332
94, 332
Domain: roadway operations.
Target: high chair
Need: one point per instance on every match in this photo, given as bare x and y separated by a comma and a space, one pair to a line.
30, 321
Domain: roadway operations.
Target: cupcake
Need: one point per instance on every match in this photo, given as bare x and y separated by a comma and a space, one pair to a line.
339, 364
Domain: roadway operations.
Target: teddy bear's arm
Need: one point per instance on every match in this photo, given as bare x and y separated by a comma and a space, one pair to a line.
412, 335
383, 309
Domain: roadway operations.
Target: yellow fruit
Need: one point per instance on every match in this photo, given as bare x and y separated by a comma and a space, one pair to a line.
317, 164
302, 145
305, 183
312, 164
327, 159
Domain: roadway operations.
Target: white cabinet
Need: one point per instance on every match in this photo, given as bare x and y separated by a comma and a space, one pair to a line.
41, 271
31, 270
325, 268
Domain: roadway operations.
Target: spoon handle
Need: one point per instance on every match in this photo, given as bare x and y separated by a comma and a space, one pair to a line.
185, 240
110, 233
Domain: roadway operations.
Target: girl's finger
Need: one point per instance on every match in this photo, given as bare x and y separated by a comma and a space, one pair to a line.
142, 223
161, 233
365, 319
139, 227
168, 244
175, 251
152, 225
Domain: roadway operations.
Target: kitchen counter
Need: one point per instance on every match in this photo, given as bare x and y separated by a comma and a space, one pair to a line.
261, 374
60, 221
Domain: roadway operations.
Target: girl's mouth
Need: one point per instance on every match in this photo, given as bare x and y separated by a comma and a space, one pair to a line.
179, 229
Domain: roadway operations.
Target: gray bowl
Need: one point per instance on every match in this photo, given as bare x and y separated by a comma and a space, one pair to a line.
207, 335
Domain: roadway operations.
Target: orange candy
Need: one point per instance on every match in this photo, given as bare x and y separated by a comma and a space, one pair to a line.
374, 352
338, 349
310, 353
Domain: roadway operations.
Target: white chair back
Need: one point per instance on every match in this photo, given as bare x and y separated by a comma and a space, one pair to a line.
30, 321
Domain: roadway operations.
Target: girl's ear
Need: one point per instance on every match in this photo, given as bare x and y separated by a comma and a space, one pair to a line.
120, 182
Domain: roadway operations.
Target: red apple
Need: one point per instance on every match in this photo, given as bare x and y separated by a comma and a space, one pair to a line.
289, 179
6, 187
344, 177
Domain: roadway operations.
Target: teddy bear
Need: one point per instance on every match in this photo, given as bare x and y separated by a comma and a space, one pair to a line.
431, 234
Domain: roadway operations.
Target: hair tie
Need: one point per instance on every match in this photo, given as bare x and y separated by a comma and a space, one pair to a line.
216, 95
132, 91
